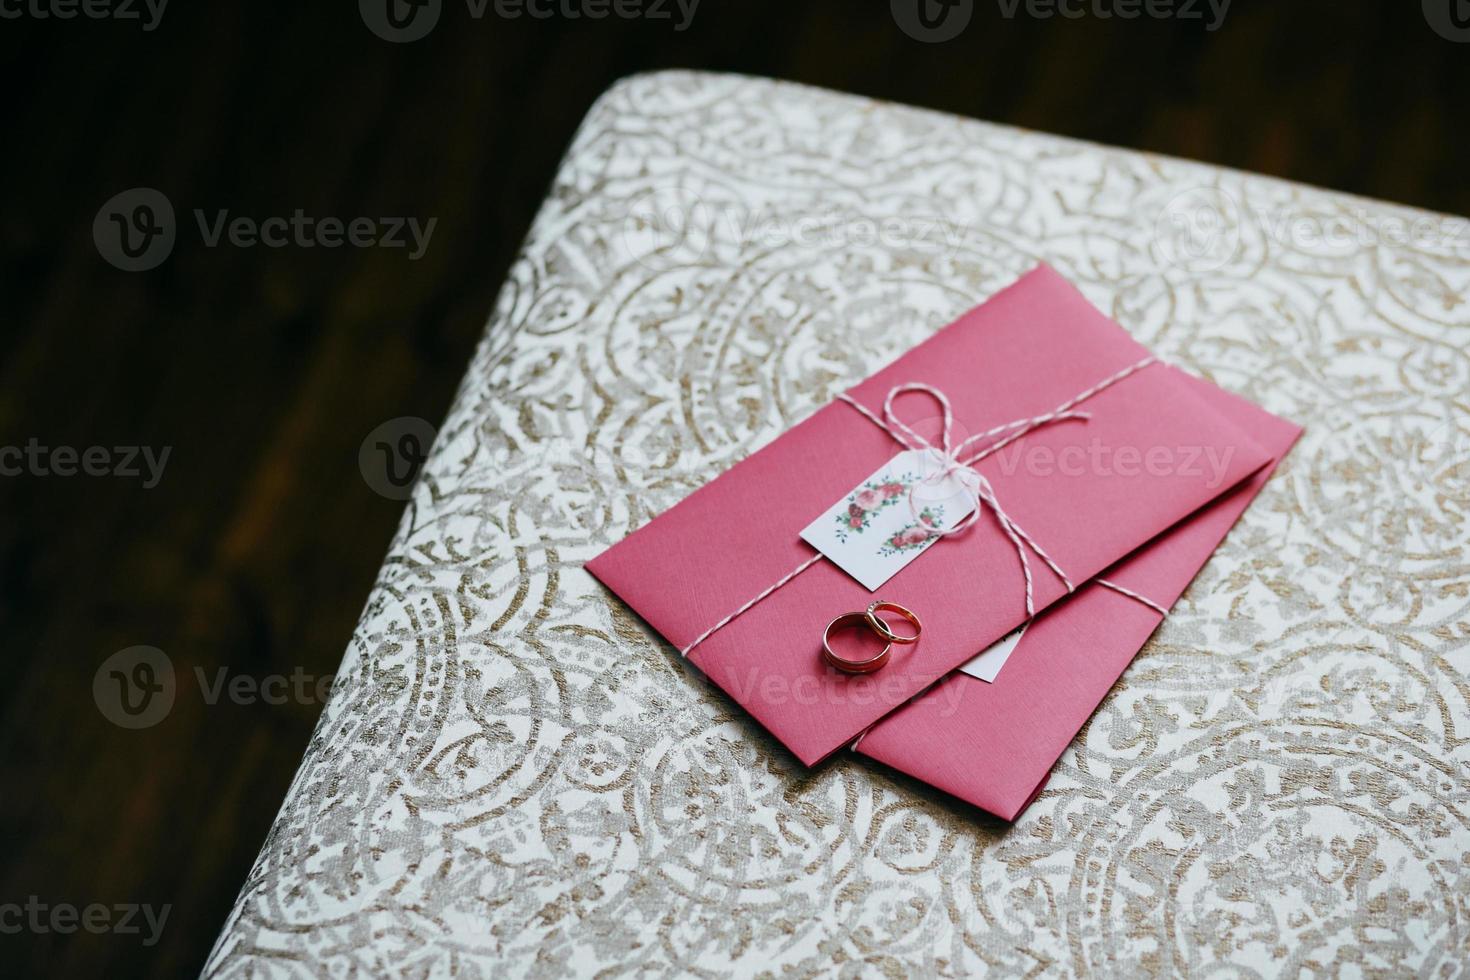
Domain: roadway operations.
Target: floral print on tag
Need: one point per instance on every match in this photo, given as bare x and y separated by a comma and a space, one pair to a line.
913, 536
867, 500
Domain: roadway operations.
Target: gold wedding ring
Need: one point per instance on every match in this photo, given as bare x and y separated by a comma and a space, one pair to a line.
842, 663
884, 630
869, 619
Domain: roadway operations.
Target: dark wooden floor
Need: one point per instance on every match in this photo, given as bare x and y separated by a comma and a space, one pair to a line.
264, 369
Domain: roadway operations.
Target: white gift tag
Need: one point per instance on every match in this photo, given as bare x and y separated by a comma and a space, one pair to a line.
988, 664
882, 525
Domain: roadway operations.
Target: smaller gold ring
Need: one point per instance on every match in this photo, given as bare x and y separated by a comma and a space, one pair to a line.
876, 623
842, 663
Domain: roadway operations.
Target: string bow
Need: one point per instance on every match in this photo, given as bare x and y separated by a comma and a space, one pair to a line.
958, 462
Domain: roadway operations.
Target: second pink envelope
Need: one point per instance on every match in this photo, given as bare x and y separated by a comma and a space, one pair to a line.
994, 744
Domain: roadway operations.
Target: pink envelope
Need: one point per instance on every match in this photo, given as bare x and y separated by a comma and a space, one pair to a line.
994, 744
1029, 349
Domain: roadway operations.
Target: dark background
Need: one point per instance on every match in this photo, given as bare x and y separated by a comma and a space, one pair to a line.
264, 369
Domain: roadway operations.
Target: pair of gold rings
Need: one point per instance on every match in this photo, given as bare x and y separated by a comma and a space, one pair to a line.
870, 619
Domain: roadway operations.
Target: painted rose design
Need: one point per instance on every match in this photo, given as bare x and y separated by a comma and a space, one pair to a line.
867, 500
915, 535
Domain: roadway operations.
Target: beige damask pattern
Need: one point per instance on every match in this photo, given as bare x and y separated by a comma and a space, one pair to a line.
514, 777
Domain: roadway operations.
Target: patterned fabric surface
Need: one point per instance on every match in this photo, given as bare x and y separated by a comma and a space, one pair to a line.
515, 777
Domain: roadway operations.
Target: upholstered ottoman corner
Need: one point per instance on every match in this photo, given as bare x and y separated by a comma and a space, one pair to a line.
514, 776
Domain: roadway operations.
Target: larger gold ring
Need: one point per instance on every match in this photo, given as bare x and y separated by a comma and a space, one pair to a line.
842, 663
884, 630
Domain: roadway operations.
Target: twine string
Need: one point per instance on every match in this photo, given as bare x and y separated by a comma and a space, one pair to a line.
951, 461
